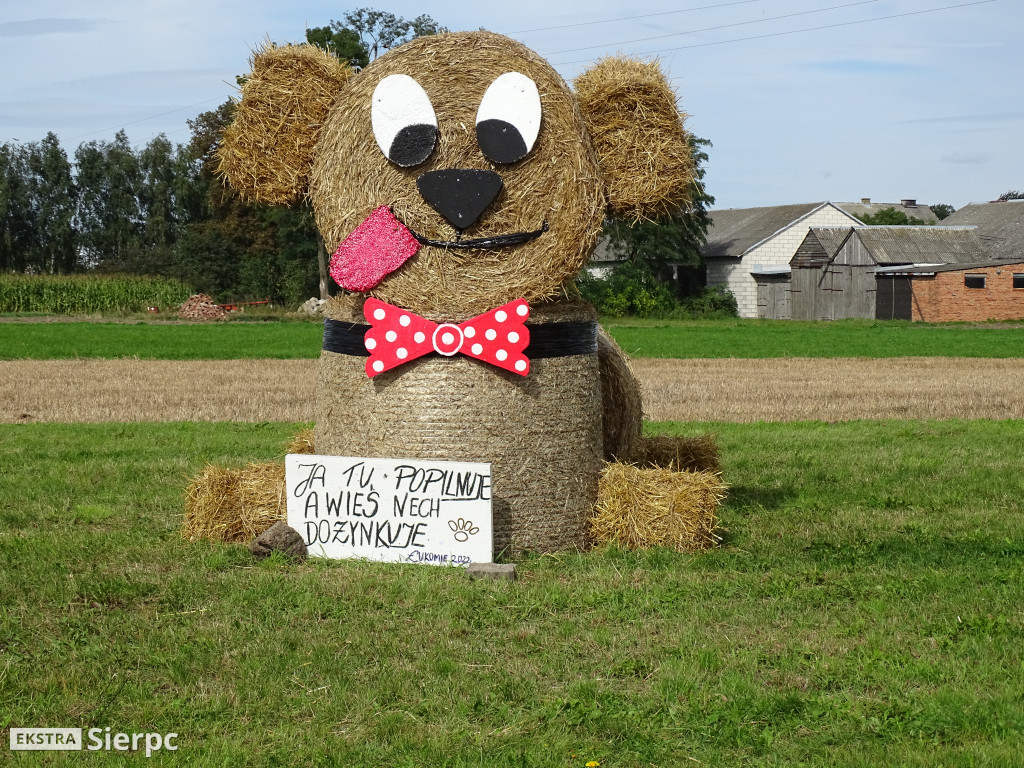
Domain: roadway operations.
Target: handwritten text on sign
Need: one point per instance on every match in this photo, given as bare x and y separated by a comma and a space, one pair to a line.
395, 510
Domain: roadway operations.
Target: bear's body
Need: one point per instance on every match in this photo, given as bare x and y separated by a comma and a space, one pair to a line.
541, 433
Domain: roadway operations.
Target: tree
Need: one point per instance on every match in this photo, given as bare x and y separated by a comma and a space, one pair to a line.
1013, 194
37, 207
890, 217
233, 249
657, 249
423, 25
16, 225
158, 194
109, 218
379, 31
341, 42
941, 210
53, 197
221, 229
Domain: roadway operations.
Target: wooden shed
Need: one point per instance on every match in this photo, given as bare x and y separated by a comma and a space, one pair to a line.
835, 270
818, 286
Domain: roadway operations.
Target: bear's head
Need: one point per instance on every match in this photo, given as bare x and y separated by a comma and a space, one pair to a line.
458, 172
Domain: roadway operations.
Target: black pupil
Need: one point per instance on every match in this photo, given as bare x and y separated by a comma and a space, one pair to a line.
500, 141
413, 145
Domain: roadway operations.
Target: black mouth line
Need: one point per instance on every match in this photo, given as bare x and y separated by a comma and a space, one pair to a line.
495, 241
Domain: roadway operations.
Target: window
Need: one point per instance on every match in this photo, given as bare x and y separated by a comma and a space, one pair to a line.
974, 281
1018, 280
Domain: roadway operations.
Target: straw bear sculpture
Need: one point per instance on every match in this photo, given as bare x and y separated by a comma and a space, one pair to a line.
463, 186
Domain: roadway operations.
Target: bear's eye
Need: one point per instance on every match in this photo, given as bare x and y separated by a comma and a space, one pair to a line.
404, 122
508, 120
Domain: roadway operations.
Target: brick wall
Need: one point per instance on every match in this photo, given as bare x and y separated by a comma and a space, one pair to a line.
945, 298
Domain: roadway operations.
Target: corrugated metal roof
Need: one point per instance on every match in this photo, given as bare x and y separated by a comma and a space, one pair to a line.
735, 230
920, 245
831, 238
918, 211
930, 269
1000, 226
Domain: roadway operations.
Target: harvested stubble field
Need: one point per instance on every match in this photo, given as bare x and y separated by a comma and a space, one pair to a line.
735, 390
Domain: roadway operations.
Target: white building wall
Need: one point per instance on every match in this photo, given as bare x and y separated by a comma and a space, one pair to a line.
736, 277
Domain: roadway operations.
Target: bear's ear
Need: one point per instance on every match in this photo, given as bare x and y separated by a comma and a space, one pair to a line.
631, 114
266, 153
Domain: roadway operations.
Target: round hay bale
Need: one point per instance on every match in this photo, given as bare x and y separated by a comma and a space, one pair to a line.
266, 151
692, 454
621, 400
540, 433
234, 505
638, 508
638, 134
559, 182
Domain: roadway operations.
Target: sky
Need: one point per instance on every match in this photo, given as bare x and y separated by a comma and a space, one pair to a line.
803, 100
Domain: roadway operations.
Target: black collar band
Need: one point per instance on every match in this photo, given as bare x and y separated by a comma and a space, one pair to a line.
578, 337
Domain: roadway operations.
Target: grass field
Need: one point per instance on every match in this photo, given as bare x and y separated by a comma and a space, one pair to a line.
864, 610
678, 339
150, 341
844, 338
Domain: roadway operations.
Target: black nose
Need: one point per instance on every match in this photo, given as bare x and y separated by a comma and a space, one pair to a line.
459, 194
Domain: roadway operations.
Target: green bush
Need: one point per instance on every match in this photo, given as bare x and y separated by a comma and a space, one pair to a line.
713, 301
79, 294
630, 289
633, 290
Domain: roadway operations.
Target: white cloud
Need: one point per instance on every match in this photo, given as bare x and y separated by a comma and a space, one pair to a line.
41, 27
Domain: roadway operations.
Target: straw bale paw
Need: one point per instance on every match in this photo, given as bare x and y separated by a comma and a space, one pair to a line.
643, 507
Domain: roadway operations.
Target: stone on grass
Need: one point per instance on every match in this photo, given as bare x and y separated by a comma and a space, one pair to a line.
279, 537
506, 571
312, 306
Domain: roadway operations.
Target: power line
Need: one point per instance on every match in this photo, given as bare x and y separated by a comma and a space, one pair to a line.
795, 31
721, 26
144, 119
632, 18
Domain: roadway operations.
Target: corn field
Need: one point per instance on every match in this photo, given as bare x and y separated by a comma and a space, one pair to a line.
80, 294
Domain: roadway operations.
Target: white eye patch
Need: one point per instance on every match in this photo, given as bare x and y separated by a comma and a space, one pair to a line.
404, 123
508, 120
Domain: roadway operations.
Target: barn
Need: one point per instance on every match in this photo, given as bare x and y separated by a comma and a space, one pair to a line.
748, 249
840, 273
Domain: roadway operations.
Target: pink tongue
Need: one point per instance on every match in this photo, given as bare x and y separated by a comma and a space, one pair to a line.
375, 249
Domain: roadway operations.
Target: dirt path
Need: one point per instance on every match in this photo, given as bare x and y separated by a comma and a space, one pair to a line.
699, 390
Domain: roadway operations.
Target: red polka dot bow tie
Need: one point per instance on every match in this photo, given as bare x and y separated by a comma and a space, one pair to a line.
397, 336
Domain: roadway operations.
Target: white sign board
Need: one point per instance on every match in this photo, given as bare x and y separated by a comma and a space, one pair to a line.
393, 510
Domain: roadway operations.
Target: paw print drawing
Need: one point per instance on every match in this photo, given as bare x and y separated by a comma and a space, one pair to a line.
463, 529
